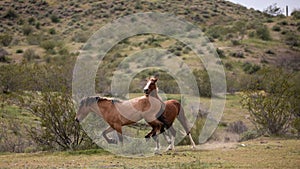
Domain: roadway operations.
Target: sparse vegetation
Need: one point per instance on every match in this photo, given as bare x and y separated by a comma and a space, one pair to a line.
273, 106
30, 54
39, 40
6, 39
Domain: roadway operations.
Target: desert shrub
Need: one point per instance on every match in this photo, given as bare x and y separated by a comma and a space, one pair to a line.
30, 54
239, 54
27, 29
249, 135
54, 18
235, 42
6, 39
273, 107
203, 82
250, 68
296, 14
228, 66
263, 33
276, 28
237, 127
31, 21
55, 127
48, 45
292, 39
80, 37
35, 39
284, 23
34, 77
221, 53
10, 14
38, 25
52, 31
13, 135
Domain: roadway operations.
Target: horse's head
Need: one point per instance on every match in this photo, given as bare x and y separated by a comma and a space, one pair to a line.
150, 86
87, 105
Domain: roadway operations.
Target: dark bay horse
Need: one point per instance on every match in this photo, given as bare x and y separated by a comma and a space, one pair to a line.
172, 110
119, 113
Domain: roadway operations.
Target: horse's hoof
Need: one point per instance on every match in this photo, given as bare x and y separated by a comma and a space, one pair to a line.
169, 148
157, 152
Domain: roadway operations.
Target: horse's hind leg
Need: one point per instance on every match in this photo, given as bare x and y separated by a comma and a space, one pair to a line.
192, 141
109, 140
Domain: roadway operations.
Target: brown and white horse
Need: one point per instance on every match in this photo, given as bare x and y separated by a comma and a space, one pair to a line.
172, 110
119, 113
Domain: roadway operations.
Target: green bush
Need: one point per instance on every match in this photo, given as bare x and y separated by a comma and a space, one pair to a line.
276, 28
11, 14
54, 18
48, 45
296, 14
35, 39
27, 29
55, 126
30, 54
292, 39
203, 82
263, 33
250, 68
273, 107
31, 21
52, 31
221, 53
6, 39
249, 135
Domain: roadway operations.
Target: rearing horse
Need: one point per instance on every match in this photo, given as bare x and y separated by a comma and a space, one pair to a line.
172, 110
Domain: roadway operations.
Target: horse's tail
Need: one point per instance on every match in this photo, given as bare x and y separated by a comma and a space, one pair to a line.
184, 122
182, 118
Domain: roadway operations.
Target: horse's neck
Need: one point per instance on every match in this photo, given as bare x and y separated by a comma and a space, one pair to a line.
95, 109
155, 95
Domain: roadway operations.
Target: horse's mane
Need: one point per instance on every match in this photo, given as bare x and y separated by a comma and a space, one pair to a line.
87, 101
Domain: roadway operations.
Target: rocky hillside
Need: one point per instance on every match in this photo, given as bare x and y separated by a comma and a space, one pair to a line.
45, 30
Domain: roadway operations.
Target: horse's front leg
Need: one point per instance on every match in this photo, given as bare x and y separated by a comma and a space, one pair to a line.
118, 128
109, 140
157, 148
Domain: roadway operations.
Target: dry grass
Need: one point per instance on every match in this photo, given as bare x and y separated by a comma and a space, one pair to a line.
260, 153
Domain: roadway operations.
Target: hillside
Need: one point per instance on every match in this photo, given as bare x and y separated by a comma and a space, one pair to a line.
50, 31
35, 24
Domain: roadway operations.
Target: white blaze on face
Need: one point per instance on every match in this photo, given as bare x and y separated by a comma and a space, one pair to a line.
147, 85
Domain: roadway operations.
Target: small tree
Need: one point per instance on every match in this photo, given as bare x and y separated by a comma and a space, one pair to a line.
55, 114
272, 108
273, 10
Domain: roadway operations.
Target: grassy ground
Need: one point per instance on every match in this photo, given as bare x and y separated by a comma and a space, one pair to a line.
259, 153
